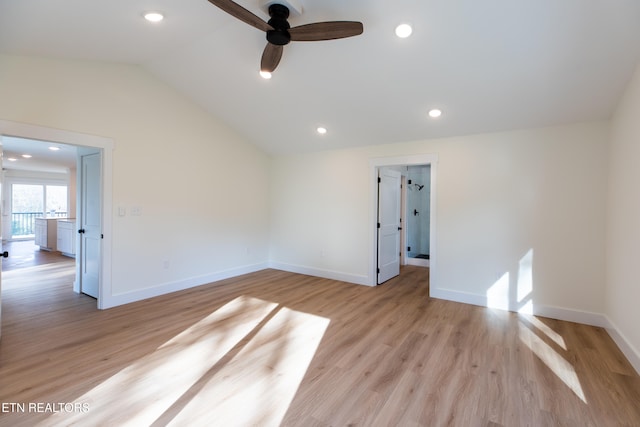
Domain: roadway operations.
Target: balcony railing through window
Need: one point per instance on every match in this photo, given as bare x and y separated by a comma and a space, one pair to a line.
23, 223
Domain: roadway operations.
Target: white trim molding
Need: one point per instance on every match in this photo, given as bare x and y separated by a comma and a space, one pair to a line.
181, 285
559, 313
409, 160
23, 130
631, 353
317, 272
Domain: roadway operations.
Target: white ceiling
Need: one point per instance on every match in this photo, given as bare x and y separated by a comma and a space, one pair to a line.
42, 158
489, 65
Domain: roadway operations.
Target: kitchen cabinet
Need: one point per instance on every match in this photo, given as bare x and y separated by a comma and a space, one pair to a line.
46, 233
66, 242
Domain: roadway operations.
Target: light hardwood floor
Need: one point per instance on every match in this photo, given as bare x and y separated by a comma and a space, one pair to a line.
275, 348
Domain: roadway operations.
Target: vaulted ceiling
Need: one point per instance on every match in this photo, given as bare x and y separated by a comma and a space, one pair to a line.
489, 65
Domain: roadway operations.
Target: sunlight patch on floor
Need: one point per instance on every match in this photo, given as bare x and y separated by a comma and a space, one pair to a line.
242, 364
554, 361
33, 276
550, 333
259, 384
141, 392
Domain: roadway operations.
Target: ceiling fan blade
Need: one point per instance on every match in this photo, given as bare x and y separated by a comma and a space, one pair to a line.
271, 57
326, 31
242, 14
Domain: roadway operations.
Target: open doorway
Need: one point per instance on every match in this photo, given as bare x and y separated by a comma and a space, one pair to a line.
46, 137
41, 209
417, 215
426, 163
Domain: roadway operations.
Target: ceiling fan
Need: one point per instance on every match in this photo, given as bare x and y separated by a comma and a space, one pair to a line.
280, 33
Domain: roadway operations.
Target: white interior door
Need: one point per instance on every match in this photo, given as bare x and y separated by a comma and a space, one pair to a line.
90, 223
388, 224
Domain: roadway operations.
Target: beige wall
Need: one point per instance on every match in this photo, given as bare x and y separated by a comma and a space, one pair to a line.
623, 222
498, 197
212, 204
202, 190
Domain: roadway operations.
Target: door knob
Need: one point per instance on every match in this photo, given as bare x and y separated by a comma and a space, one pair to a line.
81, 231
5, 254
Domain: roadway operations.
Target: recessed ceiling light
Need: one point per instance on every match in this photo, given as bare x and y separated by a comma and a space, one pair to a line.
403, 31
52, 148
265, 75
12, 159
321, 130
435, 113
153, 16
27, 156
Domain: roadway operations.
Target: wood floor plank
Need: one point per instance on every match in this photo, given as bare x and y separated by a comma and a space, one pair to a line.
277, 348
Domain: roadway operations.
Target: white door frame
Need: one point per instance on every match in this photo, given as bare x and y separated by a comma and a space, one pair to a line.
43, 133
408, 160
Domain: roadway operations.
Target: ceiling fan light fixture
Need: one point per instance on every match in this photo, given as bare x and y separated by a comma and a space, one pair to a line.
321, 130
265, 75
279, 32
404, 30
153, 16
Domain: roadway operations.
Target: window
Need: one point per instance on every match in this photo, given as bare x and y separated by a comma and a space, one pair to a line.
30, 201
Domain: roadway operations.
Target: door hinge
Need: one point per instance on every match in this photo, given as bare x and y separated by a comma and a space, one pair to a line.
409, 248
102, 236
378, 271
379, 180
378, 225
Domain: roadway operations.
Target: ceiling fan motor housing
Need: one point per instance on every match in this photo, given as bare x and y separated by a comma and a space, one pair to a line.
295, 7
279, 35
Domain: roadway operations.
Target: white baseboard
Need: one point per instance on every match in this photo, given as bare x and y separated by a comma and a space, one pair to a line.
559, 313
420, 262
120, 299
457, 296
326, 274
570, 315
631, 353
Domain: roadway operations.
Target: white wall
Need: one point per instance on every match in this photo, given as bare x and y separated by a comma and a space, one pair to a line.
623, 223
204, 194
202, 190
499, 197
319, 214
